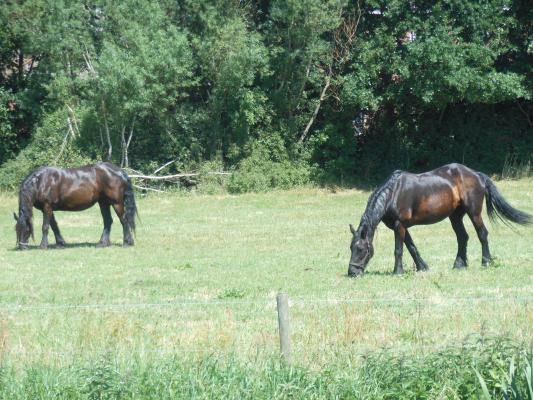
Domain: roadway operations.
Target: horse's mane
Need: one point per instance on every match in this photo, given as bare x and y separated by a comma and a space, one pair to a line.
377, 202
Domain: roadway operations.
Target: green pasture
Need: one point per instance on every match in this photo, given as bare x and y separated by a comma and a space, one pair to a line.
205, 270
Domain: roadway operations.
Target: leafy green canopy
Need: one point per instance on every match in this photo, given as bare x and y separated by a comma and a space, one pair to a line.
350, 89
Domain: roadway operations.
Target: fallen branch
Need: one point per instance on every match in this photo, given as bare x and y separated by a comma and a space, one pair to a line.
165, 165
175, 176
147, 188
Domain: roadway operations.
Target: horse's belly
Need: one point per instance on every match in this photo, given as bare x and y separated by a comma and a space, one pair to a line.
429, 218
77, 199
433, 208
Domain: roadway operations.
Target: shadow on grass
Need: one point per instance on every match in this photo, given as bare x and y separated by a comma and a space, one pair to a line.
391, 273
380, 273
93, 245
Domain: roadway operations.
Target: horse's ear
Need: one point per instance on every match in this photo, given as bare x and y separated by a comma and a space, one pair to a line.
15, 216
352, 229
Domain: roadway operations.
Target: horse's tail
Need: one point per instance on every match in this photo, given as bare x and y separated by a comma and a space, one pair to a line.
499, 208
129, 203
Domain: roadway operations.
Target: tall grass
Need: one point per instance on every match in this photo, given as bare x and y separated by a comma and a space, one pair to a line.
449, 373
515, 169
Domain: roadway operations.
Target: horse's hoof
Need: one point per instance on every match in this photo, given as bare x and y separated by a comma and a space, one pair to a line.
102, 244
43, 247
127, 244
486, 262
60, 245
425, 268
398, 272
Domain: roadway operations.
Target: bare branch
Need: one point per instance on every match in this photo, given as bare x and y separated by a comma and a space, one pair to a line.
123, 147
164, 166
317, 108
526, 114
88, 63
76, 130
65, 140
108, 136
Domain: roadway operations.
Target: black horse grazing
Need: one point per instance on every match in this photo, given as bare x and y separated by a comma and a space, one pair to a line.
407, 199
52, 189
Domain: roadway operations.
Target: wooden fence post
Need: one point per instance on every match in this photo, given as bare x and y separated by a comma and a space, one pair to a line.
283, 322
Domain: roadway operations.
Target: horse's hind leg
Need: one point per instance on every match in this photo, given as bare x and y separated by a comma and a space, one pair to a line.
462, 239
108, 220
127, 239
420, 264
59, 239
483, 235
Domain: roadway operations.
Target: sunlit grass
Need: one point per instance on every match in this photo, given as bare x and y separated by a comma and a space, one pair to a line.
228, 256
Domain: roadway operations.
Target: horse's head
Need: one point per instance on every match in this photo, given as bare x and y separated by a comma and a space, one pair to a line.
24, 229
362, 250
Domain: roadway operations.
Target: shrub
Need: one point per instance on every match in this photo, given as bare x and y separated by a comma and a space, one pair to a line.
270, 165
210, 181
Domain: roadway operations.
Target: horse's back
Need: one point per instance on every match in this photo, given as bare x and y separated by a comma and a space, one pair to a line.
76, 189
431, 196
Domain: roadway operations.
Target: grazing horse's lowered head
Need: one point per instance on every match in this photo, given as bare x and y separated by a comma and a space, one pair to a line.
362, 238
24, 229
362, 250
24, 220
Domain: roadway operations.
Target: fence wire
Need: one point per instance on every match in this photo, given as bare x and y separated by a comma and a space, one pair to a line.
296, 301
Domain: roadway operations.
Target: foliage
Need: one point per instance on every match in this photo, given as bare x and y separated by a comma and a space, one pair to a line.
211, 179
361, 87
516, 384
268, 166
382, 375
53, 144
7, 135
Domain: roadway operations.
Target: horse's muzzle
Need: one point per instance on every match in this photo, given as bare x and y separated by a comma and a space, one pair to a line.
355, 270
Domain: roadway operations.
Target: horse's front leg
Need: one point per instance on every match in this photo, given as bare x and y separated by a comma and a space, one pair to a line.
399, 237
420, 264
59, 239
47, 215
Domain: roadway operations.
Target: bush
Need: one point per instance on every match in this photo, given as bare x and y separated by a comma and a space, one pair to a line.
210, 181
270, 165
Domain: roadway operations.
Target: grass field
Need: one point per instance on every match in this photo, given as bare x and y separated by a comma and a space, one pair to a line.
205, 270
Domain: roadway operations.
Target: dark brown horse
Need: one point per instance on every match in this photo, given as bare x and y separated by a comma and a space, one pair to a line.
52, 189
407, 199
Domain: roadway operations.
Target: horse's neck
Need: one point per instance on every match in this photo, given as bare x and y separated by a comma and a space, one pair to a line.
377, 209
26, 207
26, 199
